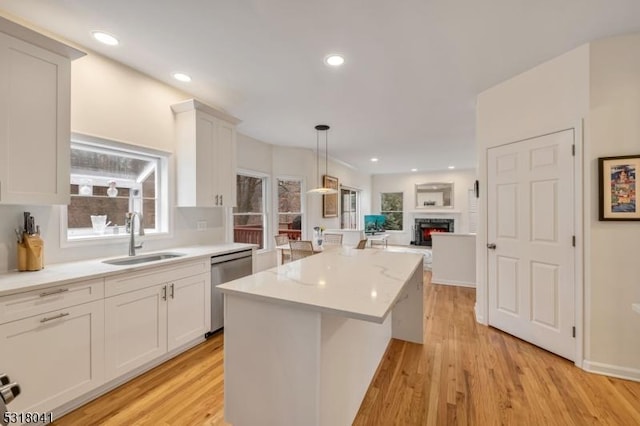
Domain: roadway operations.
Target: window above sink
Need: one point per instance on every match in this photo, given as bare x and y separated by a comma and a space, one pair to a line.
109, 179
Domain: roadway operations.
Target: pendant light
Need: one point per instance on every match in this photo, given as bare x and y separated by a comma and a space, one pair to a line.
321, 189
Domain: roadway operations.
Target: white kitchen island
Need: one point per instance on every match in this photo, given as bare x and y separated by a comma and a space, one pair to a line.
302, 341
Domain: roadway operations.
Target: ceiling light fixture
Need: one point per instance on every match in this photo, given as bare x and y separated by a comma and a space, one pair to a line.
374, 160
414, 170
105, 38
181, 77
451, 167
334, 60
322, 189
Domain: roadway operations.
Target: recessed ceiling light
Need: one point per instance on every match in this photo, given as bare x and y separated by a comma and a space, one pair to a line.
105, 38
374, 160
181, 77
452, 167
334, 60
414, 170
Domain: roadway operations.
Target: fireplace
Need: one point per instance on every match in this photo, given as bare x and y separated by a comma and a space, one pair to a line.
424, 228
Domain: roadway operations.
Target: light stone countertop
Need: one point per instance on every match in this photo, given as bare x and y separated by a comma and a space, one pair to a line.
360, 284
64, 273
636, 307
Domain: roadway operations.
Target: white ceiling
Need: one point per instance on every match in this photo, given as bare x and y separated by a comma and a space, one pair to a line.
406, 93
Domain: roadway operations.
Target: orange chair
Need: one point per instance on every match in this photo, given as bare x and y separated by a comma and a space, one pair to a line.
362, 244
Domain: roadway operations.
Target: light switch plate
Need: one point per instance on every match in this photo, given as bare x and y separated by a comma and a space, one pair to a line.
202, 225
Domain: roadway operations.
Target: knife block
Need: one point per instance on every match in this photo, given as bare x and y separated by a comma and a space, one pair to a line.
31, 253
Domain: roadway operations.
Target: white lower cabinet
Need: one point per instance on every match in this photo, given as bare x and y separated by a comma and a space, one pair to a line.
135, 329
62, 342
145, 324
189, 309
55, 356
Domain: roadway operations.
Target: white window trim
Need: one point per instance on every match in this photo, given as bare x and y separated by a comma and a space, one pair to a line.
265, 197
303, 204
164, 211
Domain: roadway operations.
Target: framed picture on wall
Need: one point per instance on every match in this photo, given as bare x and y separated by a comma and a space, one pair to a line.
330, 202
617, 192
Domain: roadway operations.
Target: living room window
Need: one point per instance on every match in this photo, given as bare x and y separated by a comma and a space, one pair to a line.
249, 217
290, 212
391, 208
109, 179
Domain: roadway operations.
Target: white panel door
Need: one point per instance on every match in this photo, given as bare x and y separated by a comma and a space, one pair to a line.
225, 159
530, 222
136, 329
189, 306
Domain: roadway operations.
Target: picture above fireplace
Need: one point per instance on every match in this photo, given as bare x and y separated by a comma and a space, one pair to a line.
425, 228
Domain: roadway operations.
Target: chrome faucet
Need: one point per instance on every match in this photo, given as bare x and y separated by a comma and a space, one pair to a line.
130, 227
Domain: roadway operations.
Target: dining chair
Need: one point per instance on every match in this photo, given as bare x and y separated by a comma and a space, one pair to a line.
281, 240
362, 244
333, 239
300, 249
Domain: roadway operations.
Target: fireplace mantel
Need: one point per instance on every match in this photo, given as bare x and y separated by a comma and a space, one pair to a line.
427, 213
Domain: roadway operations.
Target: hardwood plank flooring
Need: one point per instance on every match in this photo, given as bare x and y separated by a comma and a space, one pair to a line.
465, 374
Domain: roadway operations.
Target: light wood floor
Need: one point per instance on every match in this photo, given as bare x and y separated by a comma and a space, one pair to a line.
466, 374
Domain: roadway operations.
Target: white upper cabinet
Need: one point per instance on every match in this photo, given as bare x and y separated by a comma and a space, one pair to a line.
206, 155
35, 80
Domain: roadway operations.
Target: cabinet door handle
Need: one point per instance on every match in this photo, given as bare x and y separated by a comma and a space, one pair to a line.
57, 291
491, 246
173, 292
221, 202
217, 199
55, 317
164, 293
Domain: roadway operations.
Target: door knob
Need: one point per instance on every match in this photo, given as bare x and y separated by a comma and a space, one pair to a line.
491, 246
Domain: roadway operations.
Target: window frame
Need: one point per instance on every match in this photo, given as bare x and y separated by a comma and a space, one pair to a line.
163, 213
265, 206
382, 212
303, 203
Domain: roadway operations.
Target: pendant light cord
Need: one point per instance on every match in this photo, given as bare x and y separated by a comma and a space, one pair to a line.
317, 158
326, 153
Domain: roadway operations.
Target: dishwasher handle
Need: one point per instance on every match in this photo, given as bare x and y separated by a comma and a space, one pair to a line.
231, 256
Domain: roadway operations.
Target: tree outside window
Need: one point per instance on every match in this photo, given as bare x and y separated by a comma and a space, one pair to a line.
391, 209
290, 208
249, 216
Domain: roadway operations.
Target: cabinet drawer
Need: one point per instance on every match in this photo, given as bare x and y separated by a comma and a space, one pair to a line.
23, 305
123, 283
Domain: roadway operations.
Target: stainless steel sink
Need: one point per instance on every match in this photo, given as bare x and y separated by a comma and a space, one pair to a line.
134, 260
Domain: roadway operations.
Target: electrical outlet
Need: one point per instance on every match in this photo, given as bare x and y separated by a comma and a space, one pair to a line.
202, 225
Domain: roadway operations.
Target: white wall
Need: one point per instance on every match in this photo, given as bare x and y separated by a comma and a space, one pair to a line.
463, 180
113, 101
599, 82
613, 270
547, 98
279, 161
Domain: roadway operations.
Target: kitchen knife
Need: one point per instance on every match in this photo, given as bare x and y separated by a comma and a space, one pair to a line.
26, 221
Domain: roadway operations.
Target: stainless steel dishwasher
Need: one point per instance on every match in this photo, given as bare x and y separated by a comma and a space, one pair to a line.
225, 268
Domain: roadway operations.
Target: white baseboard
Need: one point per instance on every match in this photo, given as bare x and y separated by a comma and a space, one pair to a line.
612, 370
444, 281
479, 318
